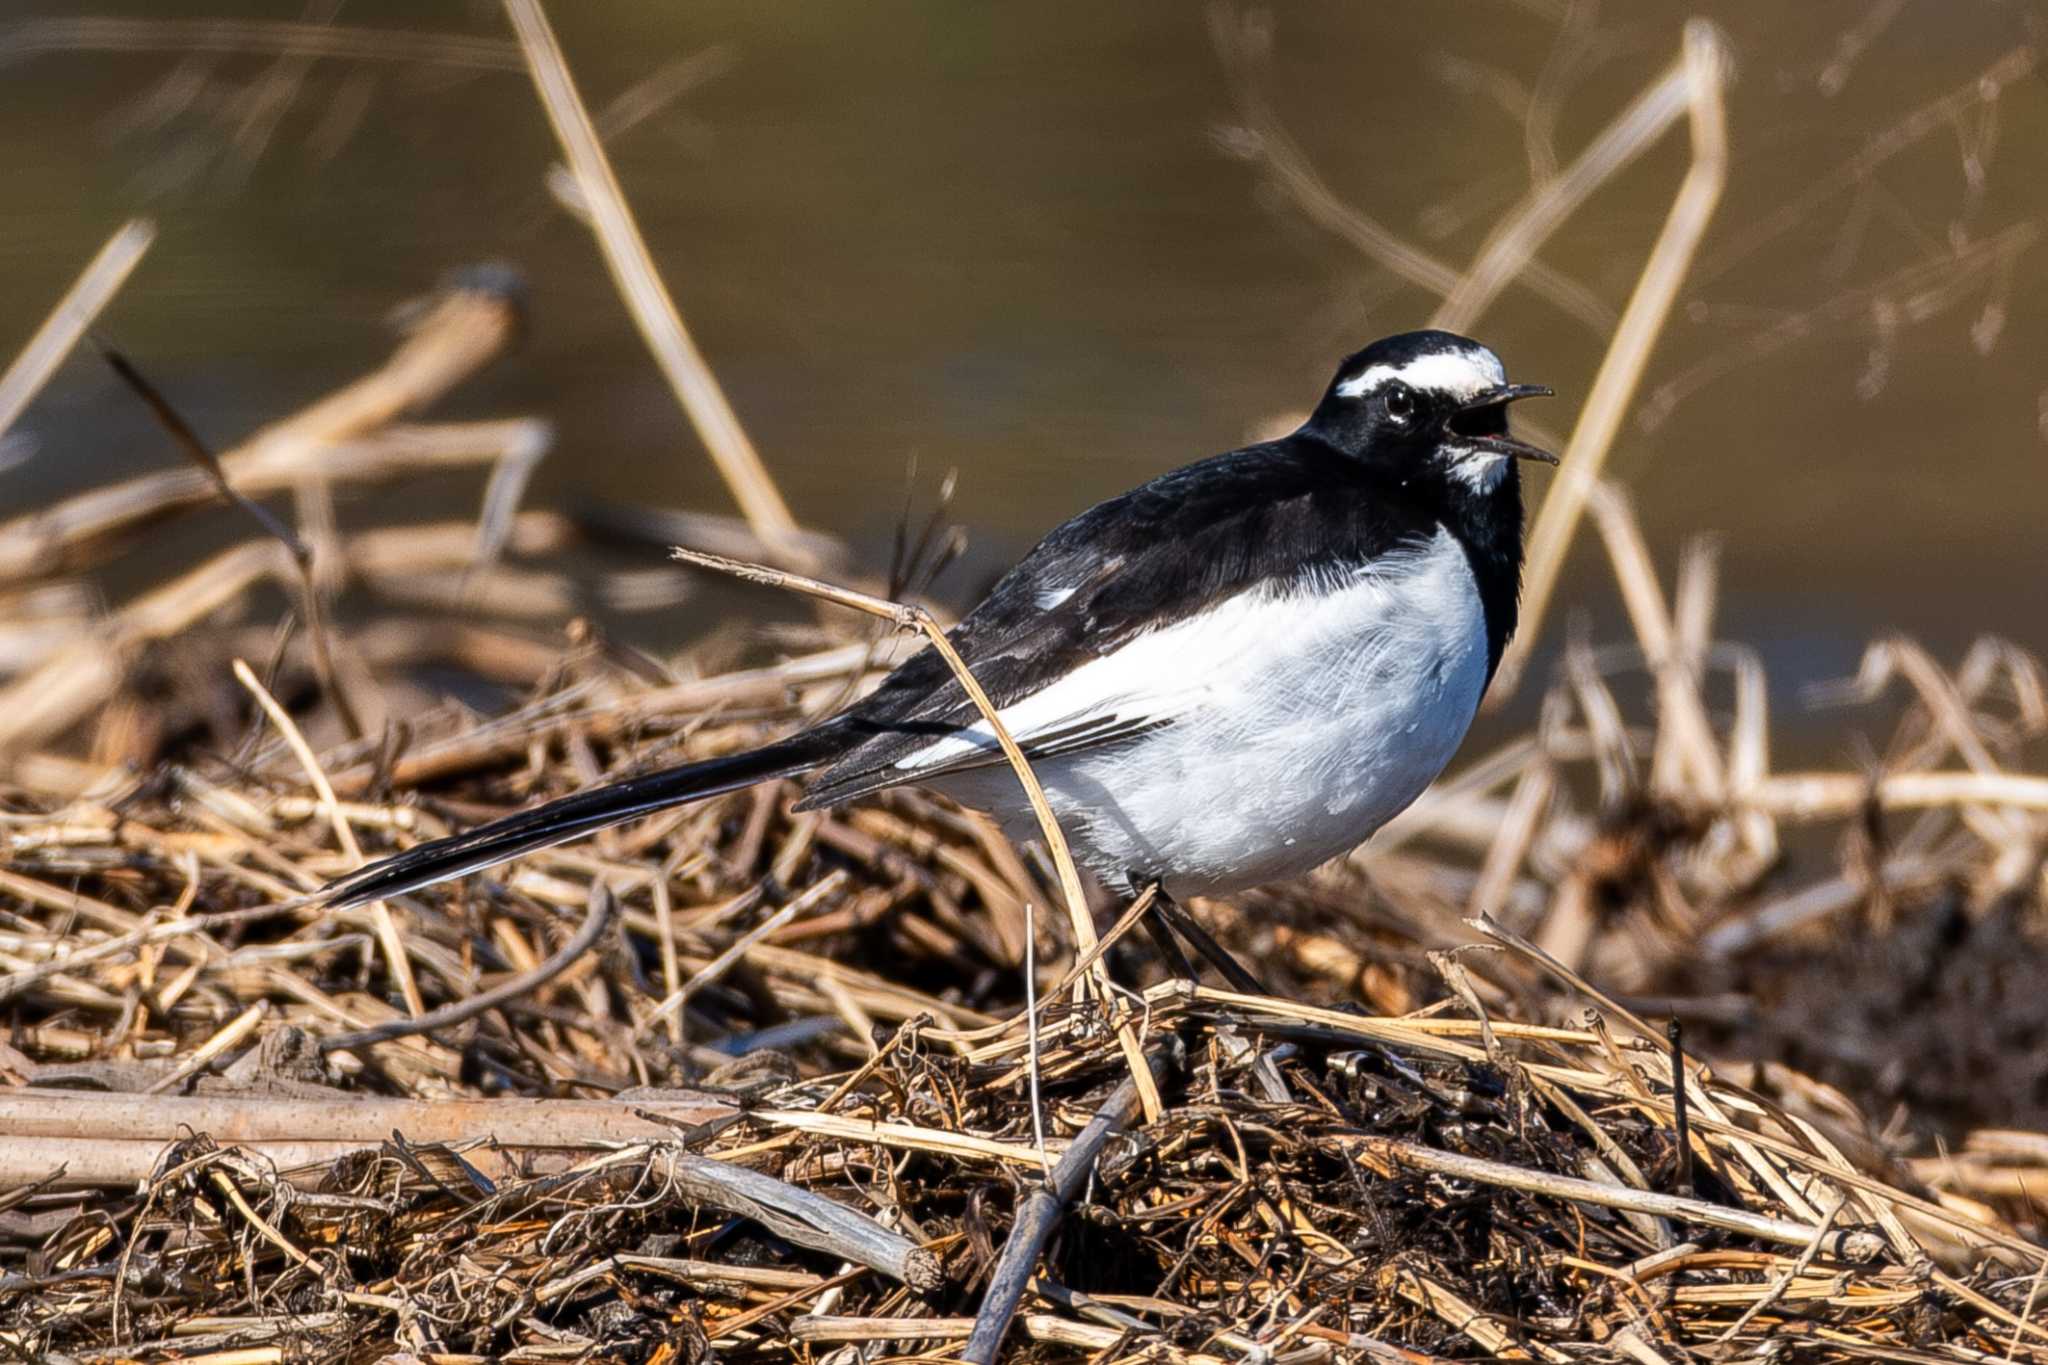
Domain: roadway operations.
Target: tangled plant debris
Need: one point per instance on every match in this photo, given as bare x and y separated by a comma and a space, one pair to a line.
747, 1084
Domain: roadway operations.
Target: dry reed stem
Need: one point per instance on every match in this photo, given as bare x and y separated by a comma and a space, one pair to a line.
1012, 1271
112, 1139
1817, 796
233, 1035
1628, 353
796, 1214
76, 676
67, 322
380, 913
1852, 1246
1686, 758
1520, 234
1939, 115
308, 557
646, 297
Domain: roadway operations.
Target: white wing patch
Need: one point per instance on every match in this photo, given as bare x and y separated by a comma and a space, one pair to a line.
1052, 597
1153, 677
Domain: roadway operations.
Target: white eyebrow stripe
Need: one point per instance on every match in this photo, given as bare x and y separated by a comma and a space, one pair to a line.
1454, 372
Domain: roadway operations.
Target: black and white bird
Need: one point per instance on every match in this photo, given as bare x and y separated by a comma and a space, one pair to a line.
1222, 678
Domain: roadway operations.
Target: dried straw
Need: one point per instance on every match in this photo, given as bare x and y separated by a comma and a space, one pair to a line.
640, 285
1705, 63
74, 313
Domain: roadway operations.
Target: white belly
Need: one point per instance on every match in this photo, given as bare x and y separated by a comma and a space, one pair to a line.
1296, 726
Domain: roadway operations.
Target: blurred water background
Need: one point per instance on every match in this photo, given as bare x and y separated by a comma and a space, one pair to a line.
1031, 242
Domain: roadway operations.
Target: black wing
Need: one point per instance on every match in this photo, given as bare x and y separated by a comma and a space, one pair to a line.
1266, 514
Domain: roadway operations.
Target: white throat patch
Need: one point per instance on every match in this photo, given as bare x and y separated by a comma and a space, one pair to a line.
1457, 373
1477, 469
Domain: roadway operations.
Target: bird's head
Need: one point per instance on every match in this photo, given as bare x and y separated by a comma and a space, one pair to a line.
1425, 403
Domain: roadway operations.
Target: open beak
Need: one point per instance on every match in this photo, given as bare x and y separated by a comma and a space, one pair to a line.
1483, 421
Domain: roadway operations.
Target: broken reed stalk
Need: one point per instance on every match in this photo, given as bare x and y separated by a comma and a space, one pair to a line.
1686, 759
74, 677
312, 593
1847, 1245
1681, 1130
112, 1139
916, 618
195, 449
1034, 1224
456, 338
640, 286
807, 1219
1813, 796
1628, 352
74, 314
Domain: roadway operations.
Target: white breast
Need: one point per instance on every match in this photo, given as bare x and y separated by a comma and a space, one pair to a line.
1298, 725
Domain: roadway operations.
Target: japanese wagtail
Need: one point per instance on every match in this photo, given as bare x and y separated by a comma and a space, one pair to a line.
1222, 678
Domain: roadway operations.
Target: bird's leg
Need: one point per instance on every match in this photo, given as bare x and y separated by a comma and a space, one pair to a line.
1170, 951
1173, 917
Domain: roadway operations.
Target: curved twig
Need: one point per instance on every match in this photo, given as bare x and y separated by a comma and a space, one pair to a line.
594, 924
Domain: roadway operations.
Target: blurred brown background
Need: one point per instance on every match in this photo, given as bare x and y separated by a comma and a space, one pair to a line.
1032, 242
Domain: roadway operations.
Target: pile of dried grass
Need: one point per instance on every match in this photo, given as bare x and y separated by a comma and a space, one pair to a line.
815, 1000
747, 1083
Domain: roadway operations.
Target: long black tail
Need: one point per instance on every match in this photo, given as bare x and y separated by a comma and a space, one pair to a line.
575, 816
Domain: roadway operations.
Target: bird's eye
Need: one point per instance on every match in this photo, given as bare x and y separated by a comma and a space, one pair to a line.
1400, 403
